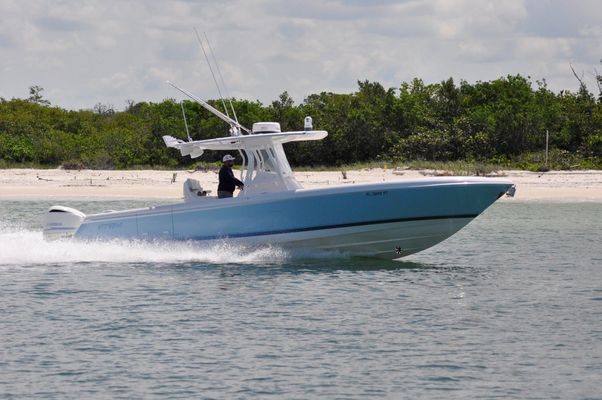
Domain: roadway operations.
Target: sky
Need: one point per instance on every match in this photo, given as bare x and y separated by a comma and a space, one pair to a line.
88, 52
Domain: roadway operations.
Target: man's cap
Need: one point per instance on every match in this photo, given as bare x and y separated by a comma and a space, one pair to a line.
228, 157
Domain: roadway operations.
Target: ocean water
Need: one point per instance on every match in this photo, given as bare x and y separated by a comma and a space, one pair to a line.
510, 307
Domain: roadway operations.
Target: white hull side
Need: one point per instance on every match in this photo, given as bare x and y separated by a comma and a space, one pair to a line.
387, 240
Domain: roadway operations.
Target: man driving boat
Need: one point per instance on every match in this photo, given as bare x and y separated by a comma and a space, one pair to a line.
227, 181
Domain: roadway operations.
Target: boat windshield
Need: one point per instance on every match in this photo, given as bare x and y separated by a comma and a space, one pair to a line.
267, 170
268, 160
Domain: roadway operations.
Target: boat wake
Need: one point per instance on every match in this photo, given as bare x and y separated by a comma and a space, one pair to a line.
26, 247
22, 247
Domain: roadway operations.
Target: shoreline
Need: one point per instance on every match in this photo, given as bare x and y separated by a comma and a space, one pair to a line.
23, 184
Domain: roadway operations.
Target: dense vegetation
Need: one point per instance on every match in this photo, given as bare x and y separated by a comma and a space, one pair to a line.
503, 122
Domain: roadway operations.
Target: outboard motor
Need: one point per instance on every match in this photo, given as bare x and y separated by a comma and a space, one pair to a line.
62, 222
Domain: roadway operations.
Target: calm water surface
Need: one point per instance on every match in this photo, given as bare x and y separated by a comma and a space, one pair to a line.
510, 307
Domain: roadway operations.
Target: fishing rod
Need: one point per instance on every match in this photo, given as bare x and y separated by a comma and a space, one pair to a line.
220, 76
211, 69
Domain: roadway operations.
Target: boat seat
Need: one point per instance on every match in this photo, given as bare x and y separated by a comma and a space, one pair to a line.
193, 189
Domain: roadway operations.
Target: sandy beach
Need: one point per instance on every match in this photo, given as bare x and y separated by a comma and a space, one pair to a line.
67, 184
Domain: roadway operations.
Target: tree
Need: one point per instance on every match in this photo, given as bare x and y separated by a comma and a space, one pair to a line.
284, 112
104, 109
35, 96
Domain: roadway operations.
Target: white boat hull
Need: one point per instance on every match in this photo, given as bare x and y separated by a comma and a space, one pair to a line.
388, 220
386, 240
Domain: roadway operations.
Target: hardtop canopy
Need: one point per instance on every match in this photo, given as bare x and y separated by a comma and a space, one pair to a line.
244, 142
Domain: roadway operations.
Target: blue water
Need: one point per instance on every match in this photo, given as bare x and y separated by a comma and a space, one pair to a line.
510, 307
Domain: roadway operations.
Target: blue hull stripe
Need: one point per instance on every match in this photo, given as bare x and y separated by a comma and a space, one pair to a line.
318, 228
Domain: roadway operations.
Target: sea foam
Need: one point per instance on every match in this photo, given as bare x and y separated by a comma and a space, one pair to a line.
27, 247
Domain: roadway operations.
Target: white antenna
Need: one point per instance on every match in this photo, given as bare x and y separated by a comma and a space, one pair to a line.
234, 125
185, 123
220, 76
211, 69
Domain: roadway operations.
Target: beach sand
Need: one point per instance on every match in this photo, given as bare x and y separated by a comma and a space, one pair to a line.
69, 184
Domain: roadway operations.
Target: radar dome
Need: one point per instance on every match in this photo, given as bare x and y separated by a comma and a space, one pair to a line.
266, 127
